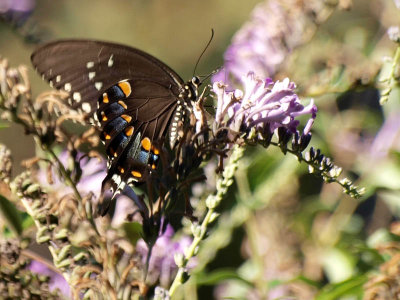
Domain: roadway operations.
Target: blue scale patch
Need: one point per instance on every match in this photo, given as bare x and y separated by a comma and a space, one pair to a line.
112, 110
118, 144
115, 126
154, 158
115, 93
143, 156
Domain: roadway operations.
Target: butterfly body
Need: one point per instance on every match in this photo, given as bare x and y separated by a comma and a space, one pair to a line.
135, 100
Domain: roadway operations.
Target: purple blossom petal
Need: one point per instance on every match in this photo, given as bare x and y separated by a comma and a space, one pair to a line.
387, 138
93, 173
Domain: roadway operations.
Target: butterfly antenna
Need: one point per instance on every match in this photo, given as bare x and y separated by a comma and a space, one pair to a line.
211, 74
205, 48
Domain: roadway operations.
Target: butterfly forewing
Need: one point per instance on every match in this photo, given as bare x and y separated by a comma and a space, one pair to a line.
86, 68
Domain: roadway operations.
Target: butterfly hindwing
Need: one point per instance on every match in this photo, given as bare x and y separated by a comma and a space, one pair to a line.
124, 113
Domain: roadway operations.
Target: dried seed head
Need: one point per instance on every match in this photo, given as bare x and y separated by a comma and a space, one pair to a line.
5, 163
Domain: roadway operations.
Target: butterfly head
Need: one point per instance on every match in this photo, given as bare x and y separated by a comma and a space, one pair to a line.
190, 89
196, 81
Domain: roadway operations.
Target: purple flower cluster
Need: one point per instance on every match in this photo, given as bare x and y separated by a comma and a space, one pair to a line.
264, 105
263, 43
16, 11
162, 266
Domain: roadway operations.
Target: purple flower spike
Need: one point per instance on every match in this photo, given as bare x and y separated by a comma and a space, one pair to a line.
264, 105
263, 43
16, 11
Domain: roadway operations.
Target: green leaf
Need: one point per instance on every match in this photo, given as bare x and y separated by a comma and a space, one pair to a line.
218, 276
27, 221
4, 125
352, 286
307, 281
11, 214
133, 231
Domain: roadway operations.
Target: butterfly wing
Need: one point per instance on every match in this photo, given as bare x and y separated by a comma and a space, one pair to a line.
85, 68
132, 95
131, 123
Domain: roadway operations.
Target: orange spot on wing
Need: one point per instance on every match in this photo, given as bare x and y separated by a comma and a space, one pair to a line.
104, 117
121, 170
126, 118
105, 98
125, 87
153, 166
146, 144
123, 104
136, 174
155, 150
129, 131
107, 136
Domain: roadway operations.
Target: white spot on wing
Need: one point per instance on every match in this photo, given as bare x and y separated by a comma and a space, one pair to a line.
90, 64
91, 75
132, 180
86, 107
96, 119
121, 186
117, 179
58, 78
77, 96
110, 61
67, 87
51, 83
98, 85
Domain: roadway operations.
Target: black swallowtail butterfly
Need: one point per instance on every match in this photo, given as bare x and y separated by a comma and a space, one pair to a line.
134, 99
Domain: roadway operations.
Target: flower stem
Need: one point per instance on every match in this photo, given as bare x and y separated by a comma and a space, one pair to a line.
212, 202
390, 80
